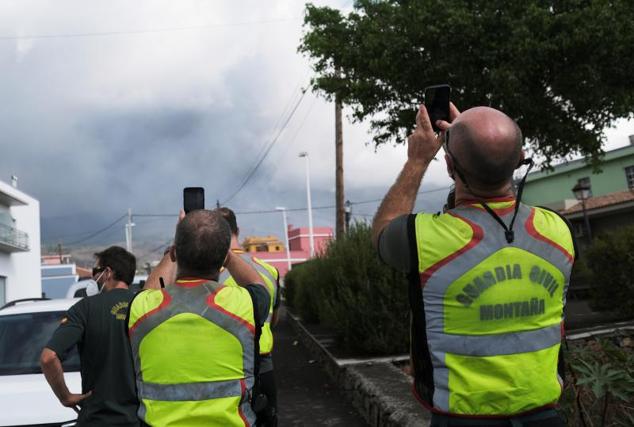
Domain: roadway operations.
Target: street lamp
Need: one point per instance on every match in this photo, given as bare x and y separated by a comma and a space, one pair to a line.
288, 250
348, 210
582, 193
311, 238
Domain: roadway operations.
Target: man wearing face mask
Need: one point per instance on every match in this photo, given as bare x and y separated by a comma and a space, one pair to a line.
488, 278
96, 324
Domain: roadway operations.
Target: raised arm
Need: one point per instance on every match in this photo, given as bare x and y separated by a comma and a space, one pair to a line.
241, 271
166, 269
422, 146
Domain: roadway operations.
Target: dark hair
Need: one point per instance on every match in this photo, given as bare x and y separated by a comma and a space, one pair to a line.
230, 217
120, 261
483, 168
202, 241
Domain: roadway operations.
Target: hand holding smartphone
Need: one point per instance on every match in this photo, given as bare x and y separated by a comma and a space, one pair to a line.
437, 103
193, 199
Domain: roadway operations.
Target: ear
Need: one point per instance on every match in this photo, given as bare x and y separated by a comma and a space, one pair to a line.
521, 161
172, 253
224, 263
449, 163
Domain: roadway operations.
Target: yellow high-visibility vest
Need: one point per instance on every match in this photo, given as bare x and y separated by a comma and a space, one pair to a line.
193, 349
488, 315
270, 277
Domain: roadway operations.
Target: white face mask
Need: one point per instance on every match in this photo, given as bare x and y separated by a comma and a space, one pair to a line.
93, 287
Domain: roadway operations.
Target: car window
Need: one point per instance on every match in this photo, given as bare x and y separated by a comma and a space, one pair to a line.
22, 338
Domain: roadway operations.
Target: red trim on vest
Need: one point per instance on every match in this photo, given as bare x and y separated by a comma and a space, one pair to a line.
478, 234
166, 300
211, 302
190, 282
488, 199
437, 411
499, 211
243, 388
530, 228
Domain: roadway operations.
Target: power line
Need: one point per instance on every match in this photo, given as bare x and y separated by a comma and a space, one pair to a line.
149, 31
253, 212
268, 149
290, 142
161, 246
267, 211
96, 233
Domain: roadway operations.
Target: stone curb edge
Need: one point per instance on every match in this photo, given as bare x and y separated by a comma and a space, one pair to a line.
379, 391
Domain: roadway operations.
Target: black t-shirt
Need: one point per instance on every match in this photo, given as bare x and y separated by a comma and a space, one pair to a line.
97, 325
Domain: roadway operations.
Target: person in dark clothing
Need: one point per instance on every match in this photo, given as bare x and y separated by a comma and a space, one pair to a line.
96, 324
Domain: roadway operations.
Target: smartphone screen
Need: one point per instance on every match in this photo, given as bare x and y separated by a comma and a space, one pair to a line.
437, 103
193, 198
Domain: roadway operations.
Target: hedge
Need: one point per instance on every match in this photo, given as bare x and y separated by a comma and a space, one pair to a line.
349, 290
611, 261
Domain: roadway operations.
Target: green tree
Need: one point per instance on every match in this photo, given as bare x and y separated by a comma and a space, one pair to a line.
611, 261
562, 69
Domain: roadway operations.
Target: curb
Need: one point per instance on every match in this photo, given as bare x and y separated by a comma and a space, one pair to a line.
378, 390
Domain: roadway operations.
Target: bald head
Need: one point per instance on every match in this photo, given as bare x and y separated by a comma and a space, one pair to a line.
202, 241
487, 145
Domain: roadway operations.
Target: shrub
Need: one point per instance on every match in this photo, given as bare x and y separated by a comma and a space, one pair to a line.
611, 260
301, 291
600, 383
360, 298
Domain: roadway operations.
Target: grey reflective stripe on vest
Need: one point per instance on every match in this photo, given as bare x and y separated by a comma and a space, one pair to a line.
434, 290
190, 391
495, 345
194, 300
263, 272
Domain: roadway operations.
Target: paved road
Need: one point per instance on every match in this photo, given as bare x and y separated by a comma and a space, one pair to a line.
306, 396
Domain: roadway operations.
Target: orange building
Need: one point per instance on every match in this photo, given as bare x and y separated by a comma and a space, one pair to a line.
263, 244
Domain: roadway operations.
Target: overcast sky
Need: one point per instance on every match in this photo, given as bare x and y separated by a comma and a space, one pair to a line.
114, 105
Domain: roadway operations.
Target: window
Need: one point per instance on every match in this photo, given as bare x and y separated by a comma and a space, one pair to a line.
22, 337
629, 176
3, 291
586, 181
579, 229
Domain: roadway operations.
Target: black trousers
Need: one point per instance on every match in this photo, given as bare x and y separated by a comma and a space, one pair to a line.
268, 416
545, 418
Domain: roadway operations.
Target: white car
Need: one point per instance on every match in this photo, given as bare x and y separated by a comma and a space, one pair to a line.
26, 399
78, 289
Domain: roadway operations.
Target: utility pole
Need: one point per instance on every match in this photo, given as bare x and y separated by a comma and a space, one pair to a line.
311, 238
339, 196
348, 211
128, 231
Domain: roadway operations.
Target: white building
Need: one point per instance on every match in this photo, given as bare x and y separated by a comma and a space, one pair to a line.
20, 274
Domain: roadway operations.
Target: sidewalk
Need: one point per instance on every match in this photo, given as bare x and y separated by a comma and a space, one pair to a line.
305, 394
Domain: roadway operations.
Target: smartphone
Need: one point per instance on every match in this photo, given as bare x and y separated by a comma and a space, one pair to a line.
193, 198
437, 103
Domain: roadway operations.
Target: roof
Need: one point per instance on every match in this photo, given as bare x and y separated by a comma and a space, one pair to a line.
580, 163
39, 306
254, 240
607, 200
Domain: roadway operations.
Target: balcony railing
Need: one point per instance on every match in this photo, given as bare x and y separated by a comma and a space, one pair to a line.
12, 240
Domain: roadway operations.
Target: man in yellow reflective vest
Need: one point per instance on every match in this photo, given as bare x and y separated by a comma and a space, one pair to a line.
265, 384
194, 342
488, 277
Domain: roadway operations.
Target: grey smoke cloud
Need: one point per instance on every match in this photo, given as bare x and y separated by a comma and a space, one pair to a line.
96, 125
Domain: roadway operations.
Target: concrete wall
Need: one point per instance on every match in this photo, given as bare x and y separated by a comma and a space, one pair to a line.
544, 188
22, 269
